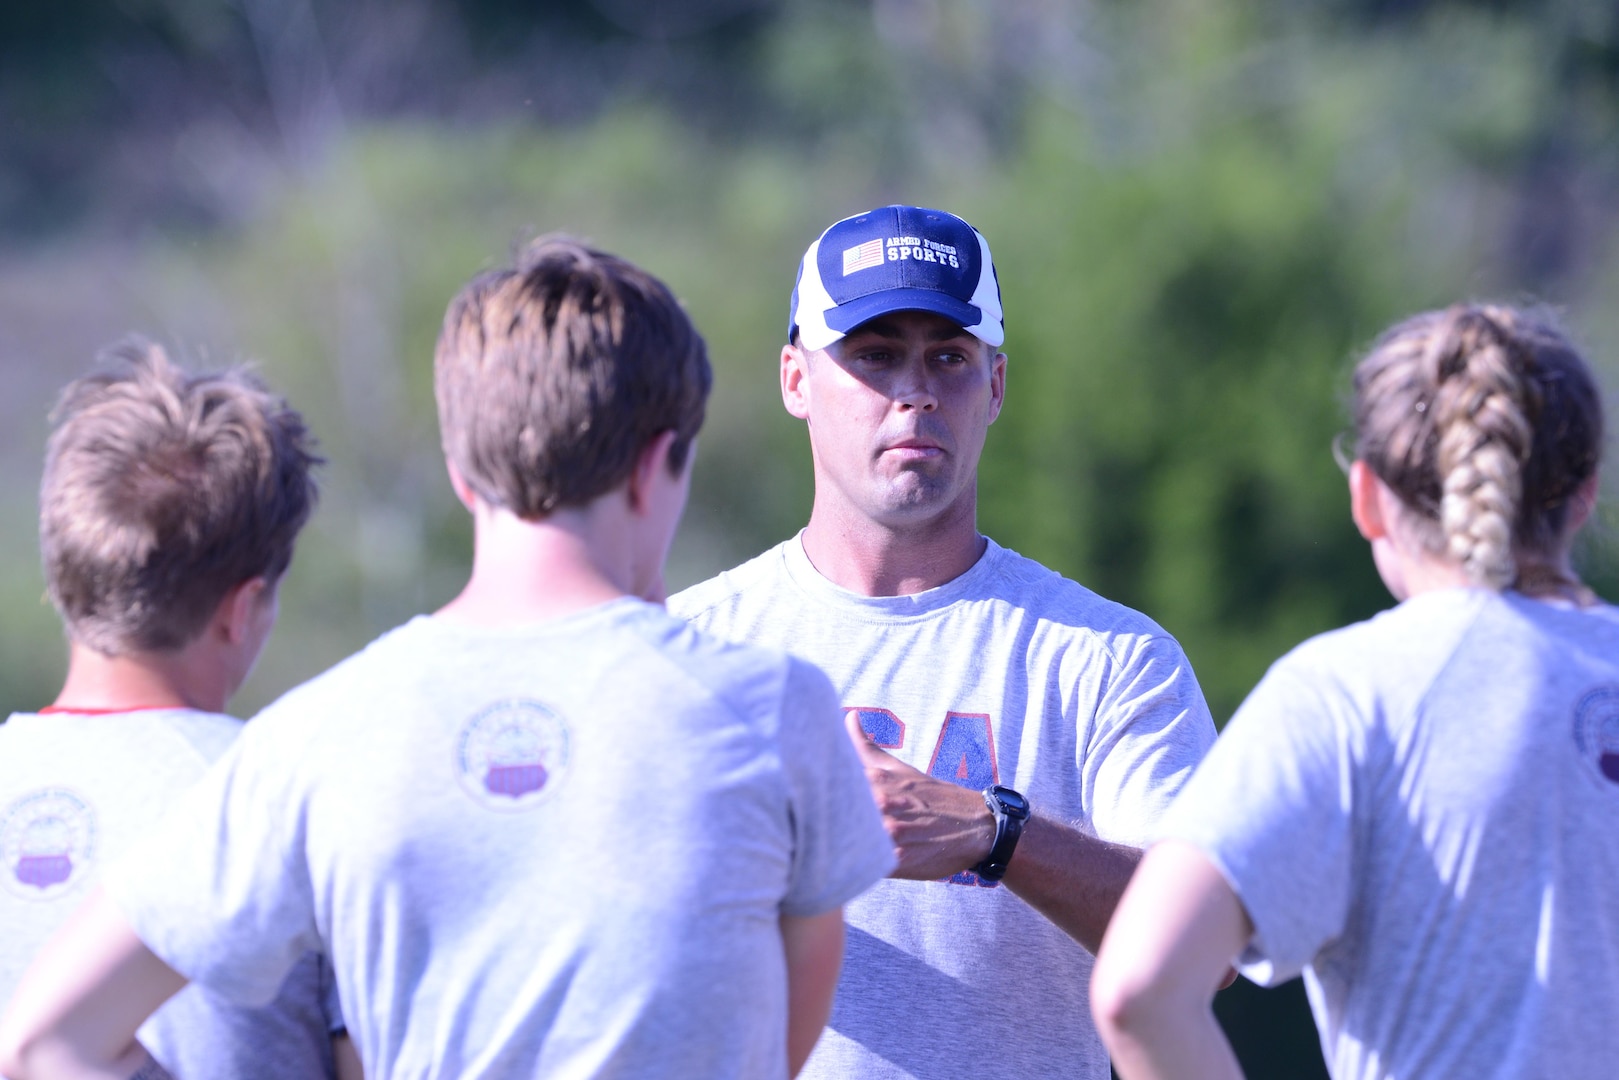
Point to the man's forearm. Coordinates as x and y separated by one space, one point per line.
1070 877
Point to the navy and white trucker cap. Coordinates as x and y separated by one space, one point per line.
895 258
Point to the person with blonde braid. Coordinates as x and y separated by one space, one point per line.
1419 812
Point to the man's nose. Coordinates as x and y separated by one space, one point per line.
913 389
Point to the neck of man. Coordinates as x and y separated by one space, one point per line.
525 572
875 558
182 678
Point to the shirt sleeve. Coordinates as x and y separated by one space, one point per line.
220 890
840 846
1273 807
1150 729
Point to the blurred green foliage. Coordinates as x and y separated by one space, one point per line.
1199 214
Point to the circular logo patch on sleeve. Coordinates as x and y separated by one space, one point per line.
47 844
1596 732
512 755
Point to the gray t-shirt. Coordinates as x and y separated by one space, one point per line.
557 850
1009 674
1421 812
76 790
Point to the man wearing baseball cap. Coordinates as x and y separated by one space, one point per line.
1020 733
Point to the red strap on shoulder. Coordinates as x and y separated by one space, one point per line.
49 709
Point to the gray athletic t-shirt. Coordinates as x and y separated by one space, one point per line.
1009 674
1421 812
560 850
78 789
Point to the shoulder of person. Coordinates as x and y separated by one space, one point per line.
755 681
1395 655
727 587
1064 602
718 662
159 734
371 671
210 734
1605 611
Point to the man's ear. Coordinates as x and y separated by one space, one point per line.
235 614
795 381
1365 502
651 465
997 385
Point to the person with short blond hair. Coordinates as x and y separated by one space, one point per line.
168 511
549 830
1416 812
163 491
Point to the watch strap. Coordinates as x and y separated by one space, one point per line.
1009 819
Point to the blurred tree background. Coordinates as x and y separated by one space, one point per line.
1200 212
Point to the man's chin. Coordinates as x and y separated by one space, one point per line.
913 504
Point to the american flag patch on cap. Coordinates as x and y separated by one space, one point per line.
863 257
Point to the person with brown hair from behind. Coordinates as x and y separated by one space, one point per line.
168 511
549 830
1417 811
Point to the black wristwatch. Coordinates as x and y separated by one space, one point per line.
1011 810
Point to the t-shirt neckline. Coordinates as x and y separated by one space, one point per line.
972 582
569 624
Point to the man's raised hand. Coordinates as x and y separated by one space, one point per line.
938 828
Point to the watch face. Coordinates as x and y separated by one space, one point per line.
1014 803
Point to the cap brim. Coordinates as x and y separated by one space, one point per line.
845 317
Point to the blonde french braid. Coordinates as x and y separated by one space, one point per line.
1480 410
1486 422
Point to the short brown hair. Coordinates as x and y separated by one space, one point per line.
162 491
553 374
1485 421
